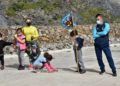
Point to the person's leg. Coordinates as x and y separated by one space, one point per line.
76 60
28 51
36 68
81 60
108 54
21 60
38 48
2 62
46 65
75 53
98 51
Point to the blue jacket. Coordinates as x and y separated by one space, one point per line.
39 61
101 38
105 31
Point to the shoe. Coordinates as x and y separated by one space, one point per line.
2 67
30 67
82 71
34 71
114 74
21 67
101 72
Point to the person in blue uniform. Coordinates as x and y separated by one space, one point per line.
101 42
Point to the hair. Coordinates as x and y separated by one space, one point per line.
0 34
73 33
99 15
19 29
48 56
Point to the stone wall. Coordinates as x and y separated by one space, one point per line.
55 37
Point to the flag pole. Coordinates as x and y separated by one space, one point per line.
76 51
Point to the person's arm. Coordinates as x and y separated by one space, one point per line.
105 31
95 34
36 34
18 39
7 43
46 65
52 67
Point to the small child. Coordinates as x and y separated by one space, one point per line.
2 45
21 47
77 47
44 62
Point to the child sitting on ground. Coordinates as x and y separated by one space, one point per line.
44 62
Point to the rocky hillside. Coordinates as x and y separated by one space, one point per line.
49 40
50 12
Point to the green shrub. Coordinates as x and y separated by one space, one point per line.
10 12
89 14
30 6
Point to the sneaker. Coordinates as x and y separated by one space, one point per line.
21 67
34 71
101 72
2 67
114 74
82 71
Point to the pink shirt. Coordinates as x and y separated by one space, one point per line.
22 46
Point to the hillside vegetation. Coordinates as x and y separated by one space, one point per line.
50 12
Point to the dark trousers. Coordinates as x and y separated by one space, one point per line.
2 60
107 51
29 50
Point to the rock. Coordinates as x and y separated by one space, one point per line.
3 22
56 38
9 50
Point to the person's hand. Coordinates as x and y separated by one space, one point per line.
32 37
76 45
15 36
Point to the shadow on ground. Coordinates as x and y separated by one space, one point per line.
74 70
15 66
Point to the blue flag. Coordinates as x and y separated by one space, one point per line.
67 22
